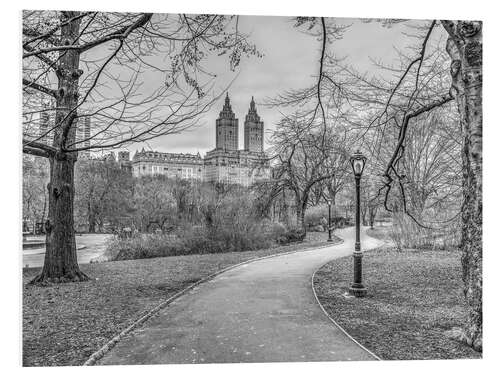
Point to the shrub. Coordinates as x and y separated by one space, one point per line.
293 235
275 230
199 240
341 222
313 215
406 233
226 220
144 246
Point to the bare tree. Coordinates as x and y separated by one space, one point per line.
304 159
103 192
154 202
308 155
137 75
35 177
464 46
394 107
379 111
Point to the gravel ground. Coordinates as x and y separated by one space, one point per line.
414 297
64 324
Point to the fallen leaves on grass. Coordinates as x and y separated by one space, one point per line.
414 298
63 324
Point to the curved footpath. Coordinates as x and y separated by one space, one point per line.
264 311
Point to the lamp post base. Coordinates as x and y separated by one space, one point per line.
357 290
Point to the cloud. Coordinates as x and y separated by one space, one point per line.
290 61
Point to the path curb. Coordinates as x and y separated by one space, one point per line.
96 356
331 319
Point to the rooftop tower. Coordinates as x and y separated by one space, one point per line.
226 136
254 130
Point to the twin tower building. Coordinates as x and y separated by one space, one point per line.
226 163
226 128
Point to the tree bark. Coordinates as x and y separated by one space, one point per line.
465 49
300 219
301 205
60 264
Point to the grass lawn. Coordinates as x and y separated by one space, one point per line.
64 324
413 298
380 233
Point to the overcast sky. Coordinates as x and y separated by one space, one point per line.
290 60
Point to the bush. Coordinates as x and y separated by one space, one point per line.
144 246
407 234
293 235
341 222
225 220
313 215
275 230
199 240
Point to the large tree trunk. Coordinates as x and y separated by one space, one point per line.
60 264
465 49
301 219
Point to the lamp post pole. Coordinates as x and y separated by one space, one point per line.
329 221
357 288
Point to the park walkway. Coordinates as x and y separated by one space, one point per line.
264 311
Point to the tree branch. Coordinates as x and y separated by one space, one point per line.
31 146
41 88
120 34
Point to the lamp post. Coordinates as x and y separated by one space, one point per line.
329 201
357 288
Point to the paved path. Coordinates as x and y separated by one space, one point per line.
263 311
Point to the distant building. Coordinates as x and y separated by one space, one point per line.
171 165
83 133
124 161
226 128
254 130
235 167
111 157
225 163
228 164
39 126
44 133
46 124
